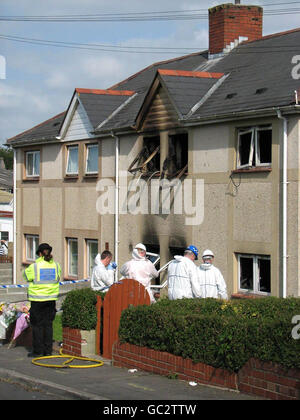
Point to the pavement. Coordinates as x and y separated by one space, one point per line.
106 383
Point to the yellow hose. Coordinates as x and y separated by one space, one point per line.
66 364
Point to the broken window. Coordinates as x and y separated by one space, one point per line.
153 254
176 164
254 273
148 160
254 147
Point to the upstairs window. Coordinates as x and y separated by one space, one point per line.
254 147
176 164
91 159
72 160
33 163
148 160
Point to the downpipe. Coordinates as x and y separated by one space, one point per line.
284 204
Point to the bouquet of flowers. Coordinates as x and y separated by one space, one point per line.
13 312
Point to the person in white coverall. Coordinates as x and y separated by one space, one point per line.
140 268
210 280
182 275
103 272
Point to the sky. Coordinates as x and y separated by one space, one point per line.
40 80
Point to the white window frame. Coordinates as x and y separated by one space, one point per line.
69 240
254 142
257 160
88 242
88 146
34 245
256 282
75 146
34 153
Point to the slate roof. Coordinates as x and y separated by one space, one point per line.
45 131
100 104
6 179
187 88
258 76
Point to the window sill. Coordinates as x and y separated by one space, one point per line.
33 179
69 278
245 295
71 176
258 169
95 175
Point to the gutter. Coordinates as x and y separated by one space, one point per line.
284 204
232 116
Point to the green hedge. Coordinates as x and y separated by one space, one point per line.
79 309
218 333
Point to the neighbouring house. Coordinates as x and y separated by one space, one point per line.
221 126
6 203
6 216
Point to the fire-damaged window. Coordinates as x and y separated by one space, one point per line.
148 160
254 273
153 254
254 147
176 164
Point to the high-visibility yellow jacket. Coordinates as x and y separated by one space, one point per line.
43 278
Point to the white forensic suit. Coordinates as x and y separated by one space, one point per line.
140 269
211 282
102 278
182 278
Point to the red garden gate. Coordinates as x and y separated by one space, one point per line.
121 295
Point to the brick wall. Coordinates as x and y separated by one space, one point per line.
267 380
228 22
163 363
72 341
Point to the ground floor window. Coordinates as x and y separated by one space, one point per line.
31 246
91 253
4 236
254 273
72 265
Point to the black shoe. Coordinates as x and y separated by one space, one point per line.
47 354
32 354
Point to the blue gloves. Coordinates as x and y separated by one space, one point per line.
112 266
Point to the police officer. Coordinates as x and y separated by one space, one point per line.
43 277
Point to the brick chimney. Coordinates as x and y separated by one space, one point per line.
231 23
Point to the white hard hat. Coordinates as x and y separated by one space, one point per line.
140 246
207 253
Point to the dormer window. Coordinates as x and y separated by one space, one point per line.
148 160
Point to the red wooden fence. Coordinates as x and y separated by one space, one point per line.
121 295
6 259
